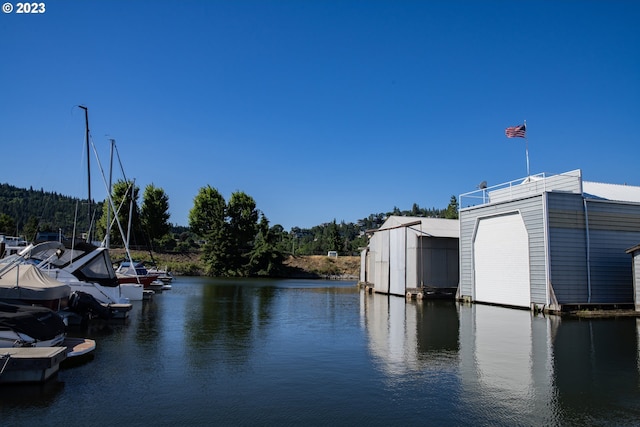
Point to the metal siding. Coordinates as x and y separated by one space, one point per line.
613 227
397 261
636 279
413 267
531 210
569 182
382 263
611 275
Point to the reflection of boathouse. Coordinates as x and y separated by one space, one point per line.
549 241
412 252
497 366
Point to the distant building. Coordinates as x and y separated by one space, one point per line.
549 241
412 252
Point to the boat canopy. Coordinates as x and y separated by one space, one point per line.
39 323
27 282
85 261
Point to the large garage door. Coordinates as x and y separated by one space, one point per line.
501 261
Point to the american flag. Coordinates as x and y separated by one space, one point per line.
515 131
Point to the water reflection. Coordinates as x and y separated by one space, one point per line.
225 318
407 336
506 364
29 395
513 367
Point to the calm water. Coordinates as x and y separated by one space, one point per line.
291 352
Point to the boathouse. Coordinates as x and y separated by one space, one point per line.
552 242
412 253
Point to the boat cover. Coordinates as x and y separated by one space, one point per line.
27 282
85 261
37 322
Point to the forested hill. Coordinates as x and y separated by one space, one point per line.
29 210
24 212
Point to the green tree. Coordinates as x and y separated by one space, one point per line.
7 225
30 229
266 259
334 241
452 210
125 198
242 229
154 213
207 220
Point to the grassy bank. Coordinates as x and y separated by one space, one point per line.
313 266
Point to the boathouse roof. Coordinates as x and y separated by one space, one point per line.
433 227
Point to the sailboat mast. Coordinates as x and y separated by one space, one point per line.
86 126
108 232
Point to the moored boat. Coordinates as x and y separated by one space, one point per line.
87 269
34 344
136 273
22 283
28 326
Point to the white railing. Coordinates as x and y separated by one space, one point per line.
530 185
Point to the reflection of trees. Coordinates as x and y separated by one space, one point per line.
149 319
226 318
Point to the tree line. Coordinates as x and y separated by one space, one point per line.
233 237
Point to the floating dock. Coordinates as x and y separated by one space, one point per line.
30 364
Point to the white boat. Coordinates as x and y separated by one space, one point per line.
164 276
87 269
22 283
10 245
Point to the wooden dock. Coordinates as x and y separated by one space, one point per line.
30 364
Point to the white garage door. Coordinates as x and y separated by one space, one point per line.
501 261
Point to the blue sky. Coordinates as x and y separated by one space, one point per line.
320 110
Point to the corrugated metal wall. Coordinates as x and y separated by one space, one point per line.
381 281
613 227
393 262
397 261
636 278
531 209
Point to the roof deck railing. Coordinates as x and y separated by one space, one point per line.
523 187
481 195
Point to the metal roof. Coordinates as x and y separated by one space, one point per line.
435 227
616 192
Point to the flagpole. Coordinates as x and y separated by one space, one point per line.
526 142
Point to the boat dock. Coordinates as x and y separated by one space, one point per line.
30 364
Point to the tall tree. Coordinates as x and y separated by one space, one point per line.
334 241
207 220
154 213
452 210
266 259
125 198
243 227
